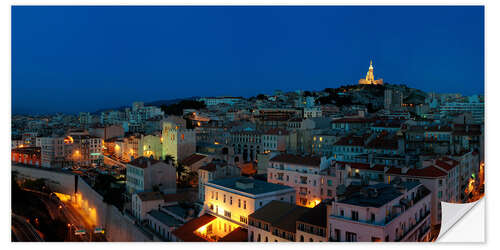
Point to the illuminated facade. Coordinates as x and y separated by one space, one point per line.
177 141
150 146
370 78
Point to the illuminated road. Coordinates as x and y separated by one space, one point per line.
24 231
72 216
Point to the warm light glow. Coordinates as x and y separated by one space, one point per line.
117 147
216 229
63 197
68 140
216 143
21 146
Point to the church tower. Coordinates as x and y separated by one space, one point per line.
370 78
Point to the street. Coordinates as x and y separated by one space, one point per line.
24 231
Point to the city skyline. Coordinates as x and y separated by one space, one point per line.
115 55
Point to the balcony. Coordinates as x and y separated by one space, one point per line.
413 228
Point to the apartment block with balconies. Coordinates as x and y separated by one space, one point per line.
381 212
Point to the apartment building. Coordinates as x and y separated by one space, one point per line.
308 175
381 212
228 203
145 174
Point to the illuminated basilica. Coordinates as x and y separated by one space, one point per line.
370 78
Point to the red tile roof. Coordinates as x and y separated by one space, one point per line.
192 159
237 235
211 167
447 165
363 166
249 168
186 231
429 172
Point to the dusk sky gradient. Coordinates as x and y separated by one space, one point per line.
71 59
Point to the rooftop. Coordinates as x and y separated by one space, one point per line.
192 159
385 193
316 216
280 214
142 162
164 218
427 172
186 231
150 196
256 187
314 161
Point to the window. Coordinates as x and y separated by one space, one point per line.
337 235
224 198
231 200
244 204
350 237
244 219
342 212
227 213
216 196
239 203
354 215
372 217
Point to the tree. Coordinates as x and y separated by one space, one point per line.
181 170
169 159
177 108
261 97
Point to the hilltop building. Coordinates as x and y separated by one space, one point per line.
370 78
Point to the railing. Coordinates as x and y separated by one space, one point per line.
411 229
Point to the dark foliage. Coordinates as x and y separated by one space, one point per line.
177 108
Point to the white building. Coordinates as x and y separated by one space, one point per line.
144 202
145 174
308 175
228 203
475 108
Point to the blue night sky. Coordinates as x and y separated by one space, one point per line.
70 59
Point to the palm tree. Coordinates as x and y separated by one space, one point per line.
169 159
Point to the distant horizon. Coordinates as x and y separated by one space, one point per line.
88 58
188 97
